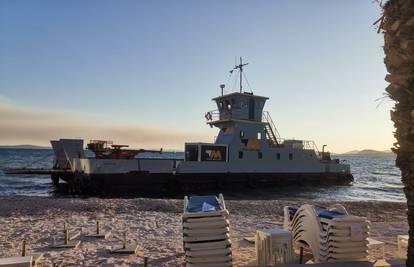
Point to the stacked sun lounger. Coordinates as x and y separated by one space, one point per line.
206 232
331 234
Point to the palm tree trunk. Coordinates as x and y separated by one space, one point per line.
398 28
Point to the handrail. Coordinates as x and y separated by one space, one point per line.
215 115
268 119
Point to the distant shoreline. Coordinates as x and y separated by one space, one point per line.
24 147
367 152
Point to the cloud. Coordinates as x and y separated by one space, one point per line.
19 125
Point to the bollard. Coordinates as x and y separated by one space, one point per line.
24 248
145 261
97 227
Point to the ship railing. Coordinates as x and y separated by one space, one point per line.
212 115
216 115
306 144
311 145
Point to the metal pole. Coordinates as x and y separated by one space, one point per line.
241 70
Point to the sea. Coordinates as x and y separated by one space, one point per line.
375 178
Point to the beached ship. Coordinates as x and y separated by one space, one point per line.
247 151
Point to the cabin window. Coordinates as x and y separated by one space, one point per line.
245 141
213 153
191 152
259 155
290 156
240 154
241 133
227 104
259 135
278 156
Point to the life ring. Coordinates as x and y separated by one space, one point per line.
208 116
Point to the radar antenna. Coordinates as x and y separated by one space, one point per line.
240 68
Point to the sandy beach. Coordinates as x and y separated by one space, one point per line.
155 226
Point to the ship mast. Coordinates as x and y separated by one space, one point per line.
240 68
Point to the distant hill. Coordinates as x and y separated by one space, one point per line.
369 152
25 147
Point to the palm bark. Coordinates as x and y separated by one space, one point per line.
398 28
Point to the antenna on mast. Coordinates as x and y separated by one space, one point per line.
240 68
222 87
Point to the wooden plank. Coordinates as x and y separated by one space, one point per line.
125 250
17 262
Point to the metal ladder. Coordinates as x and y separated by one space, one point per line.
271 131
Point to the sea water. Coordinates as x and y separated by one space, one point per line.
375 178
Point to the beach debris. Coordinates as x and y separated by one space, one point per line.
99 233
23 260
71 234
36 257
250 239
67 243
17 261
125 248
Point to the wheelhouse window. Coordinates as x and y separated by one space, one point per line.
259 155
278 156
191 153
259 135
240 154
290 156
241 134
213 153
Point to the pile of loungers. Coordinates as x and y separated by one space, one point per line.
206 232
331 234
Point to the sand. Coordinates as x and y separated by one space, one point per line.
155 226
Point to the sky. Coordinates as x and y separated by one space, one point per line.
144 72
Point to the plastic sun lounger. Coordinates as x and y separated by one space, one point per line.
209 252
206 238
204 259
208 245
220 264
328 231
202 224
193 206
200 231
206 232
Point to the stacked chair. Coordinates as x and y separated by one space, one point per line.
331 234
206 232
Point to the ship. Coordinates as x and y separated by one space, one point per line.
247 152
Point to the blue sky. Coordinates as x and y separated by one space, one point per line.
155 65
